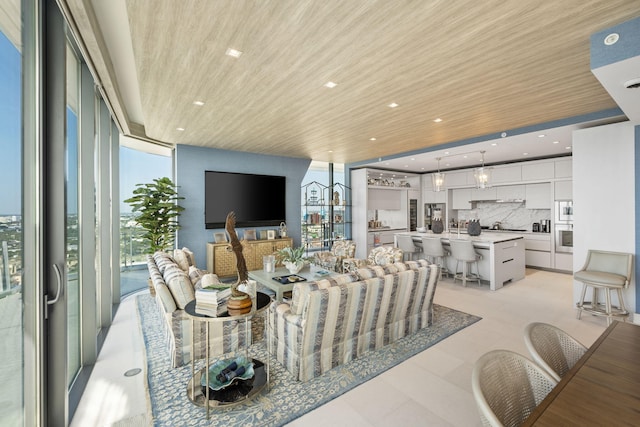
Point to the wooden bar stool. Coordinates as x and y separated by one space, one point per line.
605 271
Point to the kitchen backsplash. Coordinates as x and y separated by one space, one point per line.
510 215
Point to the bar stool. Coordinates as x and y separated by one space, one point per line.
463 251
405 242
606 271
435 253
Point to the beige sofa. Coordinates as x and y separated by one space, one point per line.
335 320
175 279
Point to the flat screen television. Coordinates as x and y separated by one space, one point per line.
257 200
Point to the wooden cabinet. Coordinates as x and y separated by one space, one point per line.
222 261
538 196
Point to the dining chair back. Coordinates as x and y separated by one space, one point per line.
507 387
552 348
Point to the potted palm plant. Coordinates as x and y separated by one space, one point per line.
157 206
292 258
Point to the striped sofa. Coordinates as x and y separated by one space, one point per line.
174 288
332 321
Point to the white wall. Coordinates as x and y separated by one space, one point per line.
604 196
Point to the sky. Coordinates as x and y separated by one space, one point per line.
10 128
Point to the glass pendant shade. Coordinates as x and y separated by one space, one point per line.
438 181
482 175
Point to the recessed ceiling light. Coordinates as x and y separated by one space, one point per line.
393 105
525 154
438 120
448 164
386 163
372 139
494 144
198 103
465 156
233 53
330 85
556 142
446 152
568 148
406 166
413 158
421 168
542 135
180 129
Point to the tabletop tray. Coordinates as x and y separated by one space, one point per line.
290 278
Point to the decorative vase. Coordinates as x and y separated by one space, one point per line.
437 227
294 267
474 228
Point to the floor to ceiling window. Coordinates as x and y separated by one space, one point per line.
11 328
140 162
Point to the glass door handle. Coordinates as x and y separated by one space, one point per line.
58 291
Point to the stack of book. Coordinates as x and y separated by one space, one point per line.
210 301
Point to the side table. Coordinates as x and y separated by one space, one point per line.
227 398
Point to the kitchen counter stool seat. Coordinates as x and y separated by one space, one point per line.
464 252
435 253
405 242
604 271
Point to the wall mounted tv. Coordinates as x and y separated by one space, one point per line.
257 200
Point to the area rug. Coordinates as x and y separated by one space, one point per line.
287 399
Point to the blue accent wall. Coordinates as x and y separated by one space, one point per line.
627 46
191 162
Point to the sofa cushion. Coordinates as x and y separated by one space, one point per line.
302 290
166 298
191 258
195 274
163 260
182 259
179 285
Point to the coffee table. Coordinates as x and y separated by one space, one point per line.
266 279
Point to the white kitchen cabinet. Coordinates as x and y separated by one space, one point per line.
563 190
458 179
538 250
506 174
461 198
538 171
383 199
511 192
538 196
430 196
480 194
564 168
564 262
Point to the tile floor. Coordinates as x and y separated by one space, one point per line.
432 388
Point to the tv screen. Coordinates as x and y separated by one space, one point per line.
257 200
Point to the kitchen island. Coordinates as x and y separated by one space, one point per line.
502 254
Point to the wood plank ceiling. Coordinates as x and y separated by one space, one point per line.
481 66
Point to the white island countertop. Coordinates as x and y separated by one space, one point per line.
484 239
502 254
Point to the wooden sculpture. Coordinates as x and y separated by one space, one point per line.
239 302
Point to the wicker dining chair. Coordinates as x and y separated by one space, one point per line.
507 387
552 348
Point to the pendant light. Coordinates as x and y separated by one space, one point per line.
482 175
438 178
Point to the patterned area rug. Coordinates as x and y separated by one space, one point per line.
287 399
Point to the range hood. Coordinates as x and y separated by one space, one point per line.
615 61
